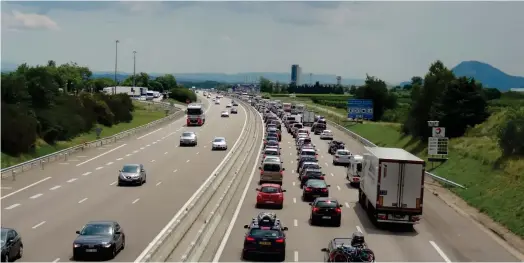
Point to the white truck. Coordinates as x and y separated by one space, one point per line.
308 118
392 185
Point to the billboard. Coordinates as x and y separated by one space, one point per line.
360 109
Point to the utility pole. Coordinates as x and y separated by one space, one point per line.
310 78
134 68
116 64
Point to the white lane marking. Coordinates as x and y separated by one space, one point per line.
338 187
223 243
197 152
294 200
154 142
136 200
332 174
321 156
71 180
292 171
83 200
148 145
157 184
187 161
100 155
347 205
36 196
439 251
113 183
120 159
24 188
295 222
141 148
39 224
174 171
63 163
135 151
205 146
56 260
148 134
12 206
109 163
290 154
87 173
326 164
295 258
359 230
152 161
55 187
98 168
291 161
128 154
293 183
165 153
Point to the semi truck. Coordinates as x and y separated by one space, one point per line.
308 118
391 186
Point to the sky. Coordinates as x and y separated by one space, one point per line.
390 40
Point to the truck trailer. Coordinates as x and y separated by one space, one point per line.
391 186
308 118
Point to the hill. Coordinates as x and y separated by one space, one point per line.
488 75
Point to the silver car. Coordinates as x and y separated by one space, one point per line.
188 138
342 156
132 174
219 143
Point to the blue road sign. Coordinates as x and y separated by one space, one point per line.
360 109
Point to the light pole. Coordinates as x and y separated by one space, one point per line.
116 63
134 67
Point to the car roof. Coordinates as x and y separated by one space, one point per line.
271 149
324 199
315 180
308 150
131 164
272 161
220 138
101 222
272 185
313 170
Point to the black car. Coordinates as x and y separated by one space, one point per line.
352 249
334 146
99 239
272 142
325 209
305 165
12 247
314 188
304 159
270 137
319 128
265 236
308 174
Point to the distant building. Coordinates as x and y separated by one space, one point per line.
296 72
339 80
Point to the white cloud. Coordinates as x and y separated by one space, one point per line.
17 20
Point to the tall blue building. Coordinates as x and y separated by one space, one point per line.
296 71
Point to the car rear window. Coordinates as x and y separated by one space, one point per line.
187 134
316 183
261 233
342 153
327 204
309 153
314 173
271 153
270 167
269 189
298 125
312 166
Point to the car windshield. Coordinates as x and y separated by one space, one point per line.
316 183
271 153
187 134
270 167
314 173
307 159
130 169
327 204
308 153
272 142
312 166
97 230
219 140
194 111
342 153
327 132
269 190
261 233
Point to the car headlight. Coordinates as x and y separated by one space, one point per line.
76 245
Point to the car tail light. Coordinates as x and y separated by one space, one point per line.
250 239
281 172
280 240
324 190
338 210
315 209
415 218
264 156
261 171
321 177
188 121
382 216
336 156
308 189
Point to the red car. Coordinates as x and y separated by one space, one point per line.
270 195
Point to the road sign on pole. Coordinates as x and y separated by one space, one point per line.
438 146
438 132
360 109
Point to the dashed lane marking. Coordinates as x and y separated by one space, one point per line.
347 205
148 145
136 200
165 153
120 159
100 167
36 196
153 161
439 251
38 225
56 260
148 134
141 148
295 256
98 156
135 151
157 184
294 200
174 171
83 200
12 206
338 187
113 183
295 222
86 173
187 161
332 174
63 163
128 154
359 229
72 180
109 163
55 187
24 188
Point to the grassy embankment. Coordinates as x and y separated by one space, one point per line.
143 114
495 185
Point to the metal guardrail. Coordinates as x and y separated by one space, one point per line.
65 153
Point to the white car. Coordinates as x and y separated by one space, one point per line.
225 114
217 102
342 156
219 143
229 105
326 135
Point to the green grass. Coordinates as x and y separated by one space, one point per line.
495 185
143 114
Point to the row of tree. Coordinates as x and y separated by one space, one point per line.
57 103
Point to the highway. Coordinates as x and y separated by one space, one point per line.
47 206
442 236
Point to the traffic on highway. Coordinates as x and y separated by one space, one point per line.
239 178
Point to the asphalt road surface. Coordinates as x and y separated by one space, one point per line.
442 236
47 206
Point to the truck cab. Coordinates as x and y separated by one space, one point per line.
354 169
195 115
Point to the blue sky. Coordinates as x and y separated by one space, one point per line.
392 40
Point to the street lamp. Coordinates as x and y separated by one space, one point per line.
116 63
134 67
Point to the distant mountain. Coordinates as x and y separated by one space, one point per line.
486 74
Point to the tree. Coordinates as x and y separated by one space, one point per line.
376 89
492 93
511 135
266 85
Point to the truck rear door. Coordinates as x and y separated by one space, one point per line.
400 185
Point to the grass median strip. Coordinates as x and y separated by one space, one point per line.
143 114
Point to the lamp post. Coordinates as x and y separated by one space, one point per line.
134 68
116 63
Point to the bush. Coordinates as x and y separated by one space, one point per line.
182 94
18 129
511 135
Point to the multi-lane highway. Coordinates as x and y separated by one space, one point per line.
47 206
443 234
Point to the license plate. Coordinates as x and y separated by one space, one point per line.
316 196
91 250
270 202
265 243
326 217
